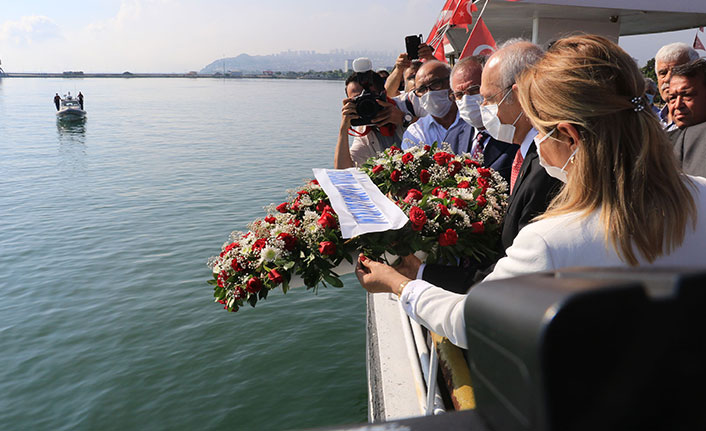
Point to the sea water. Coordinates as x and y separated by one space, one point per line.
106 320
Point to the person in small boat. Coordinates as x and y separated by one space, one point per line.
625 202
80 99
57 101
375 134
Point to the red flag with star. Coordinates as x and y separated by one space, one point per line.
454 13
480 42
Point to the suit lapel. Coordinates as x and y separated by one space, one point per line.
492 152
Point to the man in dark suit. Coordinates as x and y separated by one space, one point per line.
465 85
687 99
531 187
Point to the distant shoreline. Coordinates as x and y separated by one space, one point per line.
285 75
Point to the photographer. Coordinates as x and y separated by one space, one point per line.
373 120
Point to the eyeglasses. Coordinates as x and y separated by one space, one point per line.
470 91
488 101
434 85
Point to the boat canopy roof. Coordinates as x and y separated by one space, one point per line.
508 18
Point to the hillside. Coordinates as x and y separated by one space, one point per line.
296 61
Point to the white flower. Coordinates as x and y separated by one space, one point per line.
269 254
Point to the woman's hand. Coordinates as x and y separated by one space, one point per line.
376 277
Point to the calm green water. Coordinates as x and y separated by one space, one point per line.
106 321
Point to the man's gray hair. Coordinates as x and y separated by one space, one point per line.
674 52
518 56
467 63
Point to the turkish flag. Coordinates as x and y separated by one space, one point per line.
480 42
698 44
454 12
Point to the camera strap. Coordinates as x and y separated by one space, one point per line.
353 132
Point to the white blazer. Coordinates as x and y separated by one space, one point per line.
547 245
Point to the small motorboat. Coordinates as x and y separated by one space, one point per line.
70 109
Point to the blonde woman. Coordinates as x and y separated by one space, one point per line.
625 202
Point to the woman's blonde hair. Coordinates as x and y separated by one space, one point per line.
624 167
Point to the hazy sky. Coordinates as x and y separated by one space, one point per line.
183 35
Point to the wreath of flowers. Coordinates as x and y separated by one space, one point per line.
455 208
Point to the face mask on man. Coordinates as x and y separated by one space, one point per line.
436 102
469 110
553 171
499 131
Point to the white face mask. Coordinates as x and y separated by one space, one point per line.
499 131
416 105
553 171
436 102
469 110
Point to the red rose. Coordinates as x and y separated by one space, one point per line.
484 172
394 149
254 285
282 207
236 266
418 218
314 182
295 205
302 192
270 219
481 200
327 248
424 176
275 277
460 203
407 157
436 190
296 222
321 206
483 183
477 227
377 169
229 247
427 147
442 194
327 220
463 185
289 241
259 244
395 175
450 237
441 158
470 162
413 195
444 211
455 167
222 277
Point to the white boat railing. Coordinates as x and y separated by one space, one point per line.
424 367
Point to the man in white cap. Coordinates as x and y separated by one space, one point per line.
374 121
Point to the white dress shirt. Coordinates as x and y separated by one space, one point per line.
427 130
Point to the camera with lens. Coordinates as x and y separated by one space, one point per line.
367 108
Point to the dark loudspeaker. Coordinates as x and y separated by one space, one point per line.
590 349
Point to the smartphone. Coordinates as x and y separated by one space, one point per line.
412 44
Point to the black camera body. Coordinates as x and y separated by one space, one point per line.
367 108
